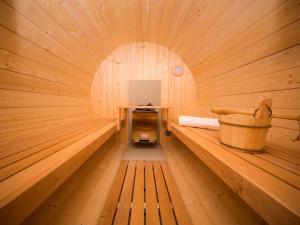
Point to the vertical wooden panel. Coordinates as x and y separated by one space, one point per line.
142 61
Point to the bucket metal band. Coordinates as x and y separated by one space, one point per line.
246 150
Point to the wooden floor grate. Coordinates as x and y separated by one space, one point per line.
144 192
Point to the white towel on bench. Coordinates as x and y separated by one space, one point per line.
200 122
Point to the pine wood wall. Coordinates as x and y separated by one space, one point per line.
141 61
44 74
238 51
257 56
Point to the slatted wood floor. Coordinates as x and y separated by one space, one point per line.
144 192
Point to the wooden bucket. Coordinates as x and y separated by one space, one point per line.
245 132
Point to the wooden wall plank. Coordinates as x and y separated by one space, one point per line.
23 83
19 64
33 12
141 61
21 26
18 45
62 17
11 98
252 15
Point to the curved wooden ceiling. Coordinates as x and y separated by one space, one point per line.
100 26
207 34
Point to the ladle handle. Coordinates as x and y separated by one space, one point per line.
226 111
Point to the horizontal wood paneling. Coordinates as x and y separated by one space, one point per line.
29 31
19 64
39 18
238 50
44 77
262 61
142 61
58 57
12 98
15 81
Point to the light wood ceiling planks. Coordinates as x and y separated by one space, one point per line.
92 29
198 30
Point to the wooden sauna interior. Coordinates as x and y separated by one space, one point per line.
64 72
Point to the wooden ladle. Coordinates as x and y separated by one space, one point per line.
226 111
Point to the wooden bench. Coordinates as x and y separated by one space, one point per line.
268 183
33 165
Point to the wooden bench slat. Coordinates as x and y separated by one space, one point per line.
290 166
181 213
36 137
137 214
26 190
267 156
152 214
253 184
165 207
109 209
279 172
52 138
123 209
19 165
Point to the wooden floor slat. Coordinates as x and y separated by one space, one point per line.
123 209
137 214
144 193
152 212
165 205
178 205
109 209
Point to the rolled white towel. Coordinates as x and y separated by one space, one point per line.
200 122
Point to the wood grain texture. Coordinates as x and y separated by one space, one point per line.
251 179
35 183
206 198
109 210
82 196
259 61
141 61
151 198
146 193
53 52
68 62
137 213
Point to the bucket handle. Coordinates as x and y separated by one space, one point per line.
268 107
